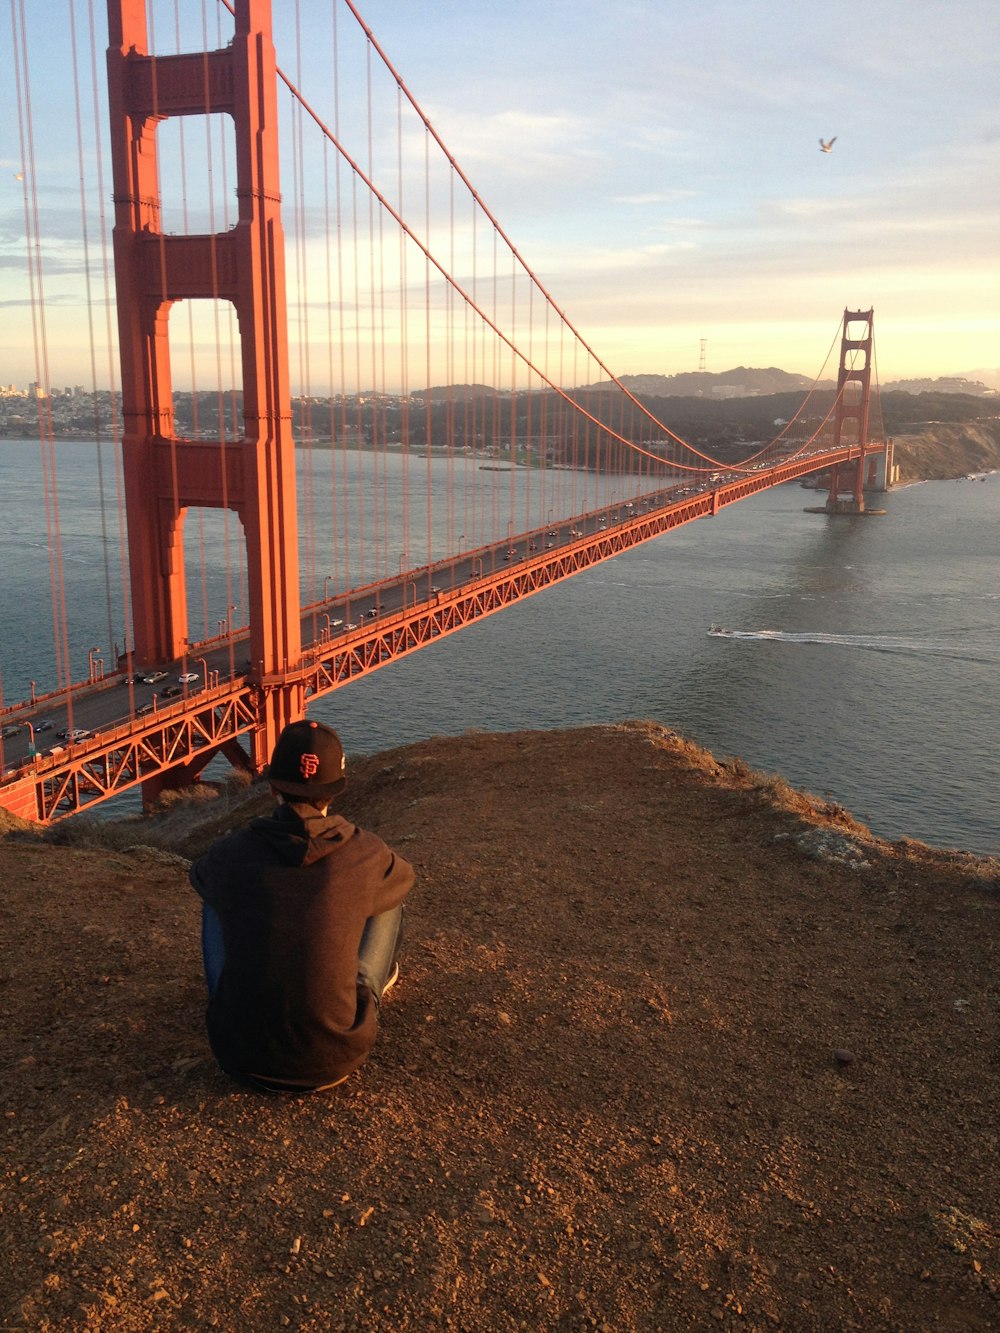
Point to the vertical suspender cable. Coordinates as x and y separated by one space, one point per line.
107 304
192 372
404 387
307 497
105 551
338 433
232 598
36 295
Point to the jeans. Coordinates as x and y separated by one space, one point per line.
380 944
213 949
381 940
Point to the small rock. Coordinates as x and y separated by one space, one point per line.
843 1057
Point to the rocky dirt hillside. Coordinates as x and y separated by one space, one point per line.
941 452
674 1047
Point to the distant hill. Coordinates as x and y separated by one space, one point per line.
750 382
453 392
740 382
986 383
988 376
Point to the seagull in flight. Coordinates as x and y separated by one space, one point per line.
826 145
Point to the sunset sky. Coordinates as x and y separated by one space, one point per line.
658 165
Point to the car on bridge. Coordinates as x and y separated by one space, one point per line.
188 677
76 734
43 724
8 732
154 677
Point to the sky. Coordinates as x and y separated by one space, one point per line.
657 164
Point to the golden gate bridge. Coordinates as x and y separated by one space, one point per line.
382 277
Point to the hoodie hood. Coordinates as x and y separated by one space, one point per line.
301 841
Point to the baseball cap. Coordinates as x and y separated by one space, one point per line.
307 760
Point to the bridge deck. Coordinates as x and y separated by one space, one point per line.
360 632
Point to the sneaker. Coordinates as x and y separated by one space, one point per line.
391 979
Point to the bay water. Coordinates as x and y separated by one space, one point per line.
857 657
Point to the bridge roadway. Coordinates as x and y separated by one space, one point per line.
343 638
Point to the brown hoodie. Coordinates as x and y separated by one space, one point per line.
293 896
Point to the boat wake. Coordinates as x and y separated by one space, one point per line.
874 643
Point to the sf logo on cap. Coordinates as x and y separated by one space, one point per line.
309 765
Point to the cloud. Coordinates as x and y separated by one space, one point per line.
662 197
520 144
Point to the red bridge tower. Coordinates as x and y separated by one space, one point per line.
850 426
166 475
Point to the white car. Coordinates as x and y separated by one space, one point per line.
188 677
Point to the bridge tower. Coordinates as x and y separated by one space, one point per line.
850 426
164 474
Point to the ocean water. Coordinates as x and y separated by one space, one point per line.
860 660
857 657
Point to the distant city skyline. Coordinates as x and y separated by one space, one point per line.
659 168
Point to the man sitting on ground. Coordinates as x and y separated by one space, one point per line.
302 920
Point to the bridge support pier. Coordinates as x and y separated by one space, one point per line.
187 774
881 469
845 505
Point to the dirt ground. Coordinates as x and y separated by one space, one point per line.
674 1047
